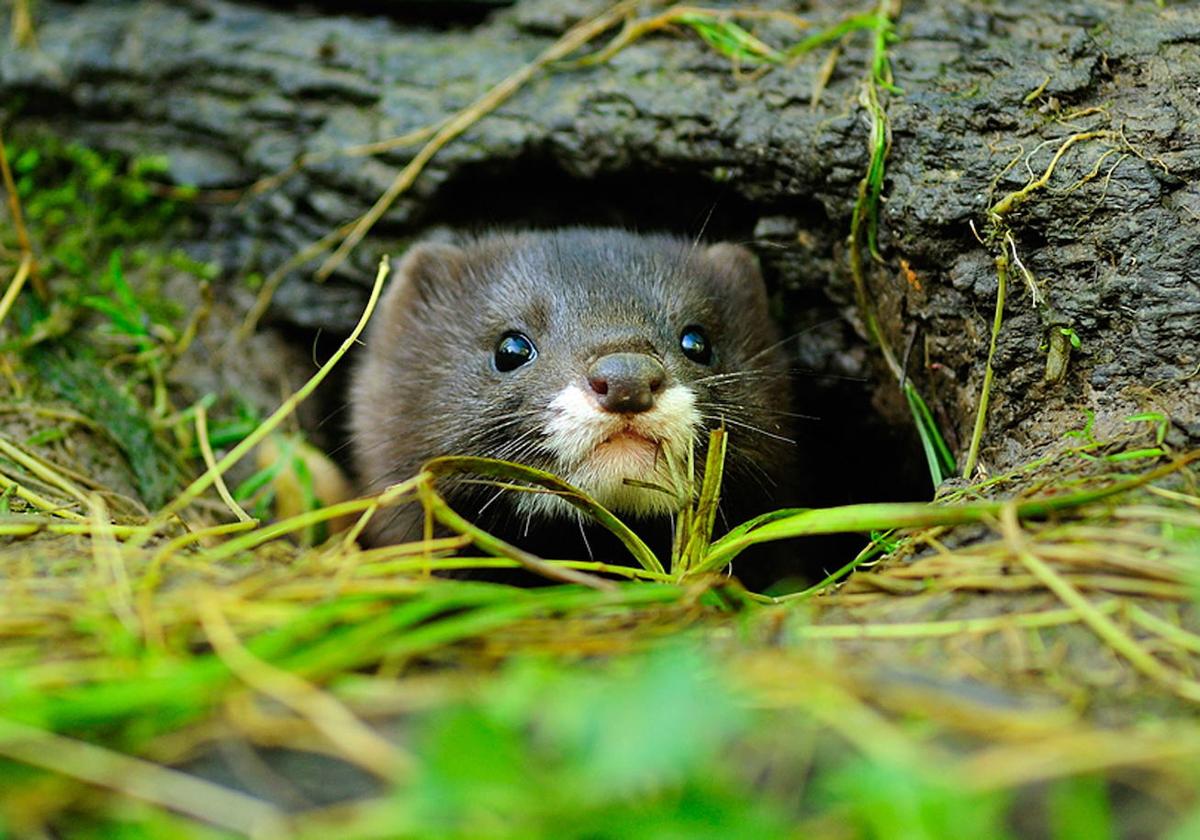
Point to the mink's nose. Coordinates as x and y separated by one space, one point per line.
626 382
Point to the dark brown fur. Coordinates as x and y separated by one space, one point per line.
426 386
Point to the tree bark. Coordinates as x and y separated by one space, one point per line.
669 132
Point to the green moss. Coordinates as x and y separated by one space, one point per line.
81 203
105 335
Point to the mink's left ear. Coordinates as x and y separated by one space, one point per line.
737 268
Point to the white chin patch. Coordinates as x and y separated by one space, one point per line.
597 450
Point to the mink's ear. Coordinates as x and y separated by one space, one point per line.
428 272
737 269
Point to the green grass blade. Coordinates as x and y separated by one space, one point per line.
731 40
506 470
853 23
443 513
757 522
702 518
889 515
937 453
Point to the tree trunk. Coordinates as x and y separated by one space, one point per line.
670 134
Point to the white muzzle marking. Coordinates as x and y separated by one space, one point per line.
650 446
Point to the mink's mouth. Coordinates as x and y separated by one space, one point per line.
602 453
630 448
629 437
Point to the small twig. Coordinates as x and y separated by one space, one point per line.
1017 197
576 37
262 300
15 285
823 75
1036 92
409 138
1031 285
199 315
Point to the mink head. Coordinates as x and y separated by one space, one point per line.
601 356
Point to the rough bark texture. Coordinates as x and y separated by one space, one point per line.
666 129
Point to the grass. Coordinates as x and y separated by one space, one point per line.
864 231
1032 637
163 641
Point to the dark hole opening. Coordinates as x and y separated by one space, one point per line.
533 193
851 451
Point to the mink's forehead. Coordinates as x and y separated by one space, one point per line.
565 277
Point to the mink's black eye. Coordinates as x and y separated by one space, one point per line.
512 351
695 346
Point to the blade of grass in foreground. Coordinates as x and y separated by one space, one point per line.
697 519
868 517
154 694
440 510
507 470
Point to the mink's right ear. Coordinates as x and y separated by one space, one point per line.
428 273
738 272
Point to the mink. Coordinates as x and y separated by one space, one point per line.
600 355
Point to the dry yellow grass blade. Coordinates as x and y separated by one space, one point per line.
210 476
1102 625
350 737
211 463
187 794
575 38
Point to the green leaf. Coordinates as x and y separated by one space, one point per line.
937 454
885 799
1080 809
27 161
